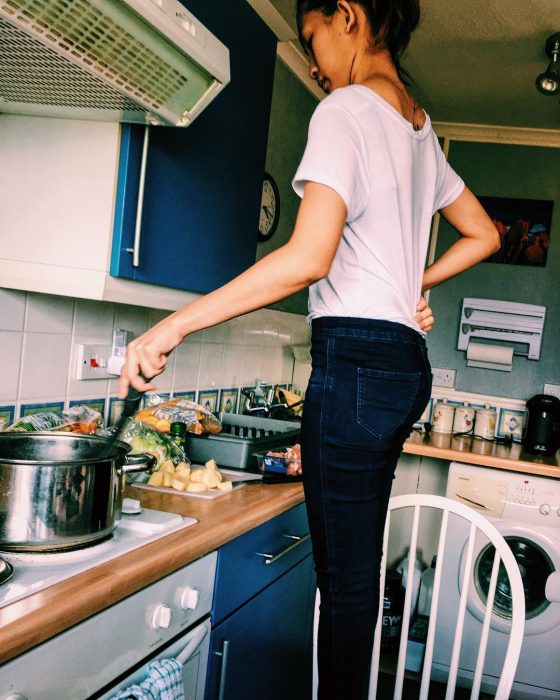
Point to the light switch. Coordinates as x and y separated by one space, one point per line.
91 361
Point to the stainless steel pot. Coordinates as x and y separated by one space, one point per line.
61 491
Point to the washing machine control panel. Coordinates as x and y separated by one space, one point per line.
498 494
533 500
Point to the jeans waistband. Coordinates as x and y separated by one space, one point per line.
366 328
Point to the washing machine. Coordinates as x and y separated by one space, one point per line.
526 510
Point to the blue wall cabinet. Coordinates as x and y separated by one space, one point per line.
203 183
261 644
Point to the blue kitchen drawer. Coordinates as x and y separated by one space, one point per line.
243 571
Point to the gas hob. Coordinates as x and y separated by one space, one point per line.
36 571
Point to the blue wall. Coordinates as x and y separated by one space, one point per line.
502 171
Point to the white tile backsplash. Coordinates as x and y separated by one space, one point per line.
10 349
12 310
210 365
94 321
39 334
132 318
187 365
45 365
49 314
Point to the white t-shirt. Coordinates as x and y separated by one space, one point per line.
392 180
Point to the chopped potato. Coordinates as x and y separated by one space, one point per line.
197 475
167 467
184 478
183 470
194 487
210 478
156 479
179 484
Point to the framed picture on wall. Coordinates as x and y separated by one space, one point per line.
524 228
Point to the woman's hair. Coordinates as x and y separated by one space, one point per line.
391 21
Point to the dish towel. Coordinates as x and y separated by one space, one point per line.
163 682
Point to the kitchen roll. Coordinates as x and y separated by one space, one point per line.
490 356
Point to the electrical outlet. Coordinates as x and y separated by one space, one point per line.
552 389
91 361
443 377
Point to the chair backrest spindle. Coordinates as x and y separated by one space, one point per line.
479 526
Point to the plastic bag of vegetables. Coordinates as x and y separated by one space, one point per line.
160 413
146 440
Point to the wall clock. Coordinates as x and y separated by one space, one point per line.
270 208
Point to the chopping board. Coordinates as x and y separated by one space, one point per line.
238 479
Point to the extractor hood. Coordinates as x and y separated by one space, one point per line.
146 61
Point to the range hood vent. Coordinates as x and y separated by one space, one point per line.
146 61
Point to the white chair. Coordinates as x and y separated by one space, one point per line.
478 523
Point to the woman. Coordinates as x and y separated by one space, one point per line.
371 178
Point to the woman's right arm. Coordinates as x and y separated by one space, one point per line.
479 239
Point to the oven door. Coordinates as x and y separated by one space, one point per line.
191 649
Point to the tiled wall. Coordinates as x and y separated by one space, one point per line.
39 334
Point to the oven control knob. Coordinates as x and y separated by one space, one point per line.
544 509
188 598
160 617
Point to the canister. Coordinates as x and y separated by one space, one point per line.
463 421
485 423
443 417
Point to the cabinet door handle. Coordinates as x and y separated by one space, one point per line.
223 670
135 250
297 541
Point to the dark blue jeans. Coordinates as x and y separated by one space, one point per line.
370 382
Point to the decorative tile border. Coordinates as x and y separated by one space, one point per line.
189 395
229 399
7 415
94 404
116 406
510 423
208 398
29 409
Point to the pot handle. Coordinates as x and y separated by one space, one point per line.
138 463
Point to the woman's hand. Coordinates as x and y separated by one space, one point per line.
424 316
146 356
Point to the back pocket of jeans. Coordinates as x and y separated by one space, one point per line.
385 399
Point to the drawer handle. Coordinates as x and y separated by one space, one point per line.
223 670
297 541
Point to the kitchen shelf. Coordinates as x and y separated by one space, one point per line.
471 450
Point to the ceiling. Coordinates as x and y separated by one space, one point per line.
475 61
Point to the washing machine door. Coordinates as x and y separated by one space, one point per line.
537 553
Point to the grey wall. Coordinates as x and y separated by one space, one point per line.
292 107
502 171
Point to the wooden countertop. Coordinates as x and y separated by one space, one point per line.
33 620
28 622
473 450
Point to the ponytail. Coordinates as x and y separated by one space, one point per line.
391 21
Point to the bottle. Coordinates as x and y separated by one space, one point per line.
178 433
393 605
426 589
402 568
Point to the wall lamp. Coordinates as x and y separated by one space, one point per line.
548 83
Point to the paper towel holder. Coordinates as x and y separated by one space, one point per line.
502 322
